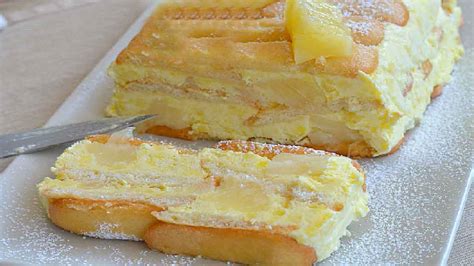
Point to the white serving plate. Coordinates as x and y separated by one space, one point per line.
416 195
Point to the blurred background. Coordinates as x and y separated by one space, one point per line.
48 46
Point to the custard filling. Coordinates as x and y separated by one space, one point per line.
310 197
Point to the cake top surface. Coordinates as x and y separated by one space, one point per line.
258 34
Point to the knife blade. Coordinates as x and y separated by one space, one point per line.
43 138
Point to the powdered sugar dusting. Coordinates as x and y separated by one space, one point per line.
369 9
23 237
361 27
413 192
106 231
268 150
27 235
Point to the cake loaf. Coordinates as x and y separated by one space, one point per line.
344 76
241 201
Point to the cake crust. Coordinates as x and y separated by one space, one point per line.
102 219
133 221
238 245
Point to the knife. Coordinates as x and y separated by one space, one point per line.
43 138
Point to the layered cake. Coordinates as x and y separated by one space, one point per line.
344 76
241 201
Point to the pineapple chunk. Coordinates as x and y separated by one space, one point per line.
316 29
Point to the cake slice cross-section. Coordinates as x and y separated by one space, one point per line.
349 77
240 201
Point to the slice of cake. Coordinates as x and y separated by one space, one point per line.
345 76
241 201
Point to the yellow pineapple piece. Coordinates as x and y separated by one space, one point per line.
316 29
